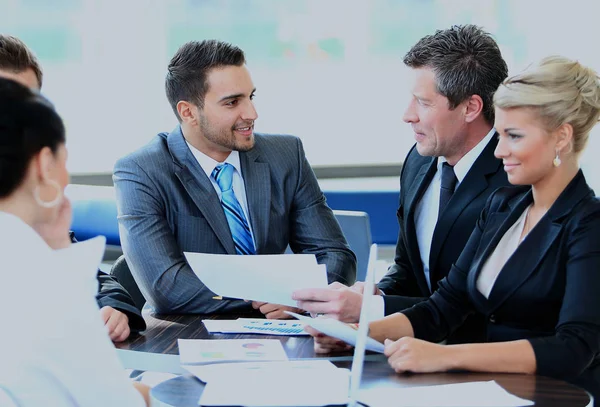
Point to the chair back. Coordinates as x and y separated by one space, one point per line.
120 270
357 230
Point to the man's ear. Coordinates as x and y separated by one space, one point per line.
473 108
187 112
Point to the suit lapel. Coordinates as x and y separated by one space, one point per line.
531 251
418 188
257 180
474 183
199 188
496 226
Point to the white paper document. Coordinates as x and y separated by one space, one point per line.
283 385
255 326
224 371
265 278
337 329
474 394
204 351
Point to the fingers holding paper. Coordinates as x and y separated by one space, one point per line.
274 311
336 301
325 343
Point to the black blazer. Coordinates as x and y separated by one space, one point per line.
405 283
547 292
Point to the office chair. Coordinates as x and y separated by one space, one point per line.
357 229
121 271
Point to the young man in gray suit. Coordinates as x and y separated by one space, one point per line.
446 177
214 186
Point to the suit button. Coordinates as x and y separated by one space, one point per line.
492 319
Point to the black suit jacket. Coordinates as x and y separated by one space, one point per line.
547 292
405 283
113 294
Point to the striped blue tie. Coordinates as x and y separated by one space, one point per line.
240 231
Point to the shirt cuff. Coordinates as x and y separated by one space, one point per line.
376 308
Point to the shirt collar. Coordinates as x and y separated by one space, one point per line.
462 167
17 230
208 164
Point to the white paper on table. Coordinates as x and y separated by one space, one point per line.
337 329
267 278
279 387
225 371
255 326
479 394
204 351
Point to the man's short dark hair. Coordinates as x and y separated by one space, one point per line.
189 67
466 61
15 56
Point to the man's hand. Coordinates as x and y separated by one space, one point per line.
337 301
274 311
116 323
56 232
326 344
359 287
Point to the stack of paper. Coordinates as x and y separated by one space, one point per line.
474 394
265 278
298 383
255 326
204 351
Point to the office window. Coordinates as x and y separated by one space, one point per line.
329 71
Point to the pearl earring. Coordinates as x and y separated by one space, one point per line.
556 162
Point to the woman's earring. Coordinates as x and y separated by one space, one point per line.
48 204
556 162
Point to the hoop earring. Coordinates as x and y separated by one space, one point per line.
556 162
48 204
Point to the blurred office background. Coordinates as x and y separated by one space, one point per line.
329 71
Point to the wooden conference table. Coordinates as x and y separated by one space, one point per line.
163 332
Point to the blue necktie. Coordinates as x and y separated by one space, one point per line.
240 231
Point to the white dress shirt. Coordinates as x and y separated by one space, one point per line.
506 247
55 350
426 211
239 189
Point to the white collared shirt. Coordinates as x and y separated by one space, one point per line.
55 348
239 189
504 250
426 211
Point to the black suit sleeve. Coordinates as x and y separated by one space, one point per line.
400 278
448 307
576 341
112 294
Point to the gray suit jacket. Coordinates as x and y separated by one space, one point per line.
167 205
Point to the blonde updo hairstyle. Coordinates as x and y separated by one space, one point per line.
561 91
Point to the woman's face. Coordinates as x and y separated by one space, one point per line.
525 146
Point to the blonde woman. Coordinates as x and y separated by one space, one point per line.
55 349
532 264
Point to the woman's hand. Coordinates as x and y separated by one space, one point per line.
56 233
415 355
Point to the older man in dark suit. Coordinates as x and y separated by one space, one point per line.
214 186
446 177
